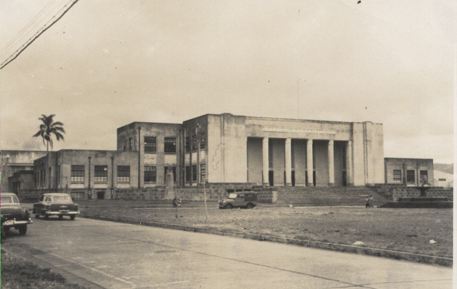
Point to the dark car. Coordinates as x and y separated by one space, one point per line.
56 204
13 214
246 200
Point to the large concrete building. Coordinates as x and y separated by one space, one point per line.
220 149
266 151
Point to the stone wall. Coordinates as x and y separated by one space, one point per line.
432 192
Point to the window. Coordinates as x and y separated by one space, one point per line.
170 145
78 195
194 173
423 177
150 144
202 141
203 172
187 174
58 175
101 174
130 143
410 176
150 174
194 143
441 180
173 169
187 144
77 174
123 174
397 175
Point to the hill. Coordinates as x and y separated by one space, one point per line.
446 168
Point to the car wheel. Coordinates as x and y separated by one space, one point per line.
249 206
60 217
229 206
6 229
23 229
37 216
72 217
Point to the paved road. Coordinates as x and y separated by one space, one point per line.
114 255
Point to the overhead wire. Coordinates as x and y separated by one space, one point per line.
37 34
20 33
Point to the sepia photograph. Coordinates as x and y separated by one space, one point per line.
227 144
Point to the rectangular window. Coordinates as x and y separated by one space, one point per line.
173 170
187 174
410 176
101 174
58 175
194 173
203 172
397 175
130 144
187 144
150 144
77 174
150 174
78 195
170 145
441 180
123 174
423 177
194 143
203 141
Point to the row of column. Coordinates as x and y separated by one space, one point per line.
309 163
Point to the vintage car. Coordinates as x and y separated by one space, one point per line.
56 204
245 199
13 214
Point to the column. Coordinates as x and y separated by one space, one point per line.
265 161
349 176
288 151
331 163
309 163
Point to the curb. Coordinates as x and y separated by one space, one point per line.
426 259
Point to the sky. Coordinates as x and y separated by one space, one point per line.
108 63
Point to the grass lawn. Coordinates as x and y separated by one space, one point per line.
405 230
18 274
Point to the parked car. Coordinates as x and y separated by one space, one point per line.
56 204
240 199
13 214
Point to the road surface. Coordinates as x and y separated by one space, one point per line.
100 254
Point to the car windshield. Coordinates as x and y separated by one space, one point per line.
61 199
232 196
9 200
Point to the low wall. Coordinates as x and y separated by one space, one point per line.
431 192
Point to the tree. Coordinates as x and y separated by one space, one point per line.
49 128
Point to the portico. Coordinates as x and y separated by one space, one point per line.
298 162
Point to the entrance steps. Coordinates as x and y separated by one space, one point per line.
327 196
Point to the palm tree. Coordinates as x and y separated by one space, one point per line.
49 128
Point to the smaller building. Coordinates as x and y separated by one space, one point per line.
443 179
14 161
86 174
409 172
21 181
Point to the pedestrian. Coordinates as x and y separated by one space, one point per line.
367 202
370 201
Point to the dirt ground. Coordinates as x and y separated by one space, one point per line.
417 231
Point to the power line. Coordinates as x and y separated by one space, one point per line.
9 44
31 40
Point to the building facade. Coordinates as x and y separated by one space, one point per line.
86 173
13 161
409 172
265 151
